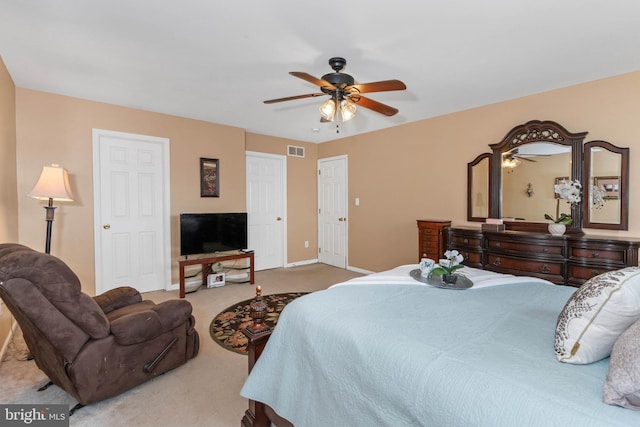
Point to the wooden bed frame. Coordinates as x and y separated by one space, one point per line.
604 256
259 414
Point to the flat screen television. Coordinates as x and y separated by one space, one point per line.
203 233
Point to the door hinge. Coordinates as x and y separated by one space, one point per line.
319 210
319 172
319 250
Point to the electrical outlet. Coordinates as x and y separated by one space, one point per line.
306 243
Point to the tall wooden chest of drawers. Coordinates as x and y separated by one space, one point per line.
431 241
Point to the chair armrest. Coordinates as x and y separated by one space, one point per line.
117 298
136 328
173 313
146 325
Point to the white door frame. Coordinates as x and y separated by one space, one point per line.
97 206
283 161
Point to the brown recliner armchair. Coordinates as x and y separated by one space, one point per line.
93 348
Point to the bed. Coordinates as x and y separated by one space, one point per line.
386 349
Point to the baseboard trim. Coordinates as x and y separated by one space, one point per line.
299 263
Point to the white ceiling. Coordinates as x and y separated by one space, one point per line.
217 60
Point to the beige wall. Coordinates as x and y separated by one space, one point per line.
58 129
409 172
419 170
8 194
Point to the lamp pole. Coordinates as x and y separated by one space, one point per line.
49 218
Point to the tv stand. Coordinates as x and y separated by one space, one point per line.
206 266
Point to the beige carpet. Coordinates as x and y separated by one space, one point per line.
203 392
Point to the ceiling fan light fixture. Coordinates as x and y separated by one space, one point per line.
510 162
328 110
347 110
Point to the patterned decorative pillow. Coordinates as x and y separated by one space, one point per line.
622 386
596 314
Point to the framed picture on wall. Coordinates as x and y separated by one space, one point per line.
209 177
559 180
611 185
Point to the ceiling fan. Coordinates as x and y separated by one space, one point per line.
344 92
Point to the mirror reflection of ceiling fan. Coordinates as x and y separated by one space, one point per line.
512 158
345 94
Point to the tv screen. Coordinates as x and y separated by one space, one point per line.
203 233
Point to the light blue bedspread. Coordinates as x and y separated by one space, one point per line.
404 355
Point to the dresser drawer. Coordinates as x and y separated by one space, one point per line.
471 258
429 235
465 241
430 250
549 270
615 255
525 247
582 273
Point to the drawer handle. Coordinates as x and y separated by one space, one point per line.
497 244
465 241
497 261
545 250
594 273
545 269
595 254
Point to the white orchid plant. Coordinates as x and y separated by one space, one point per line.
597 196
450 264
571 191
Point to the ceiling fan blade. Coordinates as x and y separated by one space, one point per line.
291 98
309 78
525 158
385 85
376 106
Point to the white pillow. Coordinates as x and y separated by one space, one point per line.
596 314
622 386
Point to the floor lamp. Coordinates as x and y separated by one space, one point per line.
53 184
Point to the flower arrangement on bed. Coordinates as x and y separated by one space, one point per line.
386 349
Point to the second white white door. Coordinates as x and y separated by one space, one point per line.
332 211
266 209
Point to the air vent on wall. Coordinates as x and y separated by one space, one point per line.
292 150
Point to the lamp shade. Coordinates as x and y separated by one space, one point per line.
52 184
328 110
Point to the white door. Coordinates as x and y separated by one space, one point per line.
131 211
332 211
266 209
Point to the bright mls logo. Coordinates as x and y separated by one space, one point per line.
34 415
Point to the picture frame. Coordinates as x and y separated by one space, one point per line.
611 185
558 180
209 177
215 280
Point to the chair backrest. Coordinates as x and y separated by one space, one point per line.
45 297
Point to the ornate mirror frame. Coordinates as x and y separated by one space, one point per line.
530 132
470 192
623 190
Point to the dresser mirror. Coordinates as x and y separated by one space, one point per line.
606 192
478 194
526 164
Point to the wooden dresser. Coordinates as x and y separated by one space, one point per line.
566 260
431 240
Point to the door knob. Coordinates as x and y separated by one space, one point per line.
279 219
106 226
